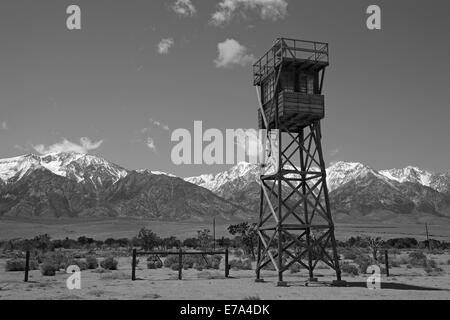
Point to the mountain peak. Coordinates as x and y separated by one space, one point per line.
73 165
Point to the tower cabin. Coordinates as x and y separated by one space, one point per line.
290 76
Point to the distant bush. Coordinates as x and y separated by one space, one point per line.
48 269
91 262
295 268
170 260
417 259
205 262
175 267
402 243
350 253
431 268
15 265
109 263
239 264
77 262
349 269
151 265
197 267
59 259
363 263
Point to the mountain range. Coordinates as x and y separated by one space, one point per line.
79 185
74 185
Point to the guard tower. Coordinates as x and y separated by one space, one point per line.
295 223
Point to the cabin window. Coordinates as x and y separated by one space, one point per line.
267 90
288 82
306 84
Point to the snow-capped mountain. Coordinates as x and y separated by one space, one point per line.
75 166
244 172
409 174
79 185
354 189
437 181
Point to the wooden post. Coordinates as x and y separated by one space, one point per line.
133 266
227 271
180 264
386 261
27 265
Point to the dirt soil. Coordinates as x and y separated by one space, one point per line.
404 283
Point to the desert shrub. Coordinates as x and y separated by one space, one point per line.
175 267
432 263
158 264
151 265
195 261
75 262
363 263
269 266
91 262
394 263
197 267
109 263
15 265
48 269
350 253
170 260
295 268
238 253
350 269
59 259
431 268
239 264
417 259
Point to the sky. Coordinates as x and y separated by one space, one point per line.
137 70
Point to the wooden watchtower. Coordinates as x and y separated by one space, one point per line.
295 223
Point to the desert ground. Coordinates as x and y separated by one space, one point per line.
101 229
403 283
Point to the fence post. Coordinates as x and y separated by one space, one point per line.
386 260
133 266
27 265
180 264
227 271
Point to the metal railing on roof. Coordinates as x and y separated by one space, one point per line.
285 48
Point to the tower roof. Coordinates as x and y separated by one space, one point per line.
308 54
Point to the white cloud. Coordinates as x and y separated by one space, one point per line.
151 144
268 10
164 45
65 145
184 8
19 147
4 125
232 53
334 152
159 124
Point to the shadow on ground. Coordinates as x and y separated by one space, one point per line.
395 286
